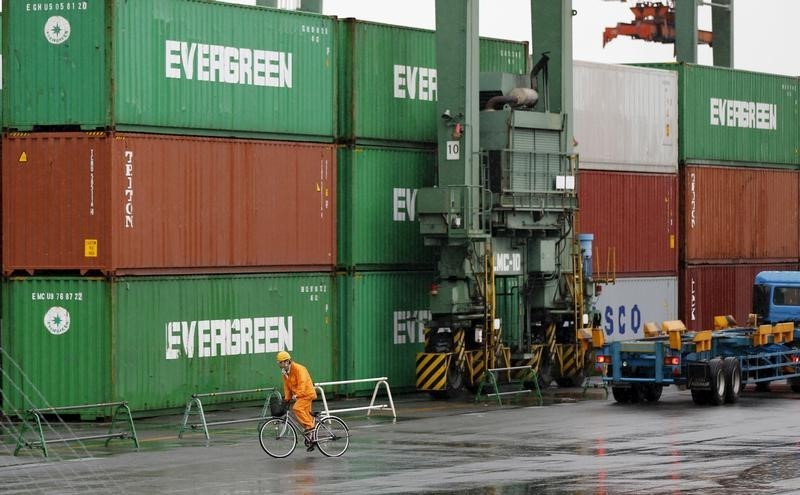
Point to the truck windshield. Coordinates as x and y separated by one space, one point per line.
786 296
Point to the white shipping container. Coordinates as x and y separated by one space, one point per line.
628 304
626 118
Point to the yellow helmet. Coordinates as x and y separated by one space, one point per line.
282 356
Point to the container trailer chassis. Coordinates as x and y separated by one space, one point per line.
713 365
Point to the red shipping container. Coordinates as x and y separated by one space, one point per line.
139 203
635 214
735 214
706 291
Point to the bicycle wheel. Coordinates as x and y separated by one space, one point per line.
333 436
277 437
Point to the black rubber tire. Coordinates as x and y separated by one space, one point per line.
332 436
653 391
544 375
637 393
733 379
716 378
277 438
794 383
454 387
575 380
700 397
621 394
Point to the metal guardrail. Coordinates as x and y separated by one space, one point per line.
195 401
489 376
372 406
35 415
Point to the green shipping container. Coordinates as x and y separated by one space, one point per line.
736 117
153 341
378 227
380 317
57 342
388 80
190 66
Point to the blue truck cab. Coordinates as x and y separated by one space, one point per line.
776 297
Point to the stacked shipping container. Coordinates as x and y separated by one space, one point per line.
181 155
189 199
739 183
387 131
626 126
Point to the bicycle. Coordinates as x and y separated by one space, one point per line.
278 435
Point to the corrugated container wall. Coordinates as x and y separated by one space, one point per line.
83 340
627 304
626 118
377 221
707 291
734 213
736 117
57 342
381 316
388 85
634 219
142 203
201 67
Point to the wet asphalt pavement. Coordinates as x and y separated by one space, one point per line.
571 445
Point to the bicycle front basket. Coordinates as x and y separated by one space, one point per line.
277 407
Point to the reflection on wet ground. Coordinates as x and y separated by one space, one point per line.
583 446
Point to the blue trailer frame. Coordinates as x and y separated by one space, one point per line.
714 368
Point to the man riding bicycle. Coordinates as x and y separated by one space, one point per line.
297 385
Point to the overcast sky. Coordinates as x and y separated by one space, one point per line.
766 32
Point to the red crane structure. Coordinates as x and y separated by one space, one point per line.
653 21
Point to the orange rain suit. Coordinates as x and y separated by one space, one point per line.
299 384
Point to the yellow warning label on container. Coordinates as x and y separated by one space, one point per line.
90 248
23 158
672 241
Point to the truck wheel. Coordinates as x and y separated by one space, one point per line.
700 397
733 379
652 392
794 383
716 378
637 392
621 394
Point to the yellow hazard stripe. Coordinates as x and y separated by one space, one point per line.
432 370
477 364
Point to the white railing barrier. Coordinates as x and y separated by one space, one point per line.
379 381
195 402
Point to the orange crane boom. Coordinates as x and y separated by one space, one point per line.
653 21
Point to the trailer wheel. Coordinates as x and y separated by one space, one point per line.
637 392
652 392
700 397
795 384
621 394
716 378
733 379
